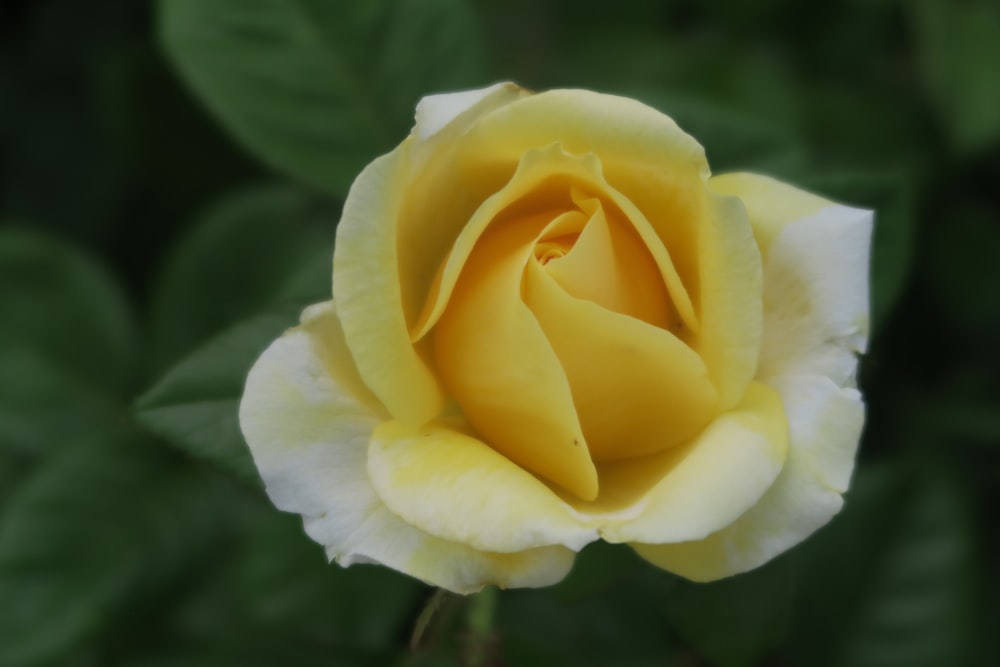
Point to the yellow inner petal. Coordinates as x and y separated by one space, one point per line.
713 249
499 366
637 388
551 179
564 332
700 486
608 264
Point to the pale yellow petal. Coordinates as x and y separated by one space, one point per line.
450 484
770 203
824 428
638 389
698 488
617 129
500 368
816 279
444 187
728 298
307 419
379 290
366 286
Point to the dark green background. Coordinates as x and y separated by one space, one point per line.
170 179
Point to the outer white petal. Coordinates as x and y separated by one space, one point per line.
308 418
816 296
824 427
435 112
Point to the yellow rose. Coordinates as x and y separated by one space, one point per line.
551 326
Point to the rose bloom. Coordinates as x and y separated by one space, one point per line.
549 326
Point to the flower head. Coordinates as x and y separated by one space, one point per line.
551 325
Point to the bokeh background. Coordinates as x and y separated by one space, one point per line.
170 180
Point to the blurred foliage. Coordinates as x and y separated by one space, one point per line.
170 178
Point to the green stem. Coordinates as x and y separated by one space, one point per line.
481 644
425 617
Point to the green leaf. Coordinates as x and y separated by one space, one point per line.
256 249
598 567
570 624
273 599
736 621
107 522
285 584
318 88
962 258
195 405
733 139
888 583
958 411
959 45
58 302
43 407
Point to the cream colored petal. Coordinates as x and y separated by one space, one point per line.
701 486
816 279
452 485
825 424
816 296
357 527
637 388
435 112
500 368
307 419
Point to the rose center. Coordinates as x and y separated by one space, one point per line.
546 251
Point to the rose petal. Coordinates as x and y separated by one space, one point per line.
824 427
534 168
378 292
367 290
728 298
610 266
700 487
500 368
435 112
452 485
713 252
771 204
307 418
618 129
637 388
629 138
567 176
815 278
816 296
